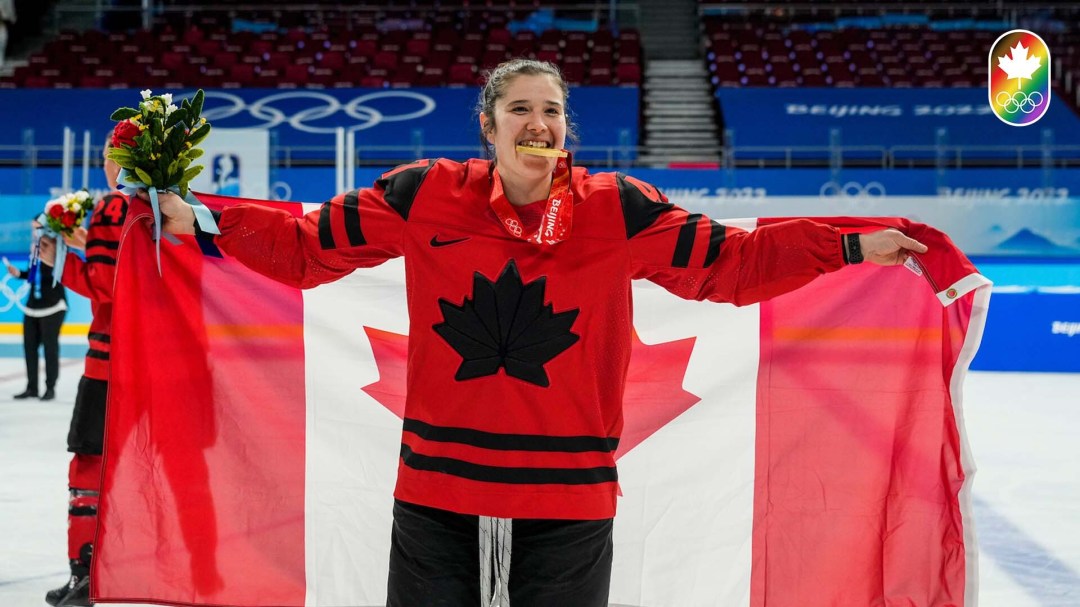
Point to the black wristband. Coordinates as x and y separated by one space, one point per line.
852 249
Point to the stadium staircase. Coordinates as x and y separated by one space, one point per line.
680 118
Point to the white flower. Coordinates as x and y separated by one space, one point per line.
166 98
172 108
146 94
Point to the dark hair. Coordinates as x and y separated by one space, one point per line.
498 79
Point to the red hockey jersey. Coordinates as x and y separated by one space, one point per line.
93 278
518 352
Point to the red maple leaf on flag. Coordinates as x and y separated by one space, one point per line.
654 394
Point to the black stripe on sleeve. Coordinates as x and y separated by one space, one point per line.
717 234
352 219
98 354
511 442
105 259
102 337
684 246
326 234
508 475
108 244
400 185
640 209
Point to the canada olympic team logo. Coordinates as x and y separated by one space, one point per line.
1018 83
314 111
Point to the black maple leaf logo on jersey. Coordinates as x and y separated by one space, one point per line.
506 324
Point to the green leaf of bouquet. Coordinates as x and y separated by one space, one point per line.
173 118
193 153
197 104
200 133
144 176
191 173
163 165
120 156
123 114
174 142
157 182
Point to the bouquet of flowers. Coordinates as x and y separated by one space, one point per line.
64 214
60 218
154 145
156 142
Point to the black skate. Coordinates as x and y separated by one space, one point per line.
75 593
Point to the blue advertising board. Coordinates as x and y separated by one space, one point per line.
1031 329
885 117
1019 212
306 118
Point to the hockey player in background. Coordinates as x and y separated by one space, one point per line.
93 279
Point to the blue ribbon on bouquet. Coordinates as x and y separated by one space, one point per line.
130 184
35 252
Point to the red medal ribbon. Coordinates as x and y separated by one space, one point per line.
558 212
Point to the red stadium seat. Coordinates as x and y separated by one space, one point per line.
173 60
225 60
386 60
298 74
432 76
600 76
331 59
242 73
418 46
549 56
574 73
628 74
499 36
462 74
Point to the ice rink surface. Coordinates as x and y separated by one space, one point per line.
1024 430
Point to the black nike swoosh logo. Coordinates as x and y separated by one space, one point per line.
435 242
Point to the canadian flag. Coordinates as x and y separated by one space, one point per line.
806 451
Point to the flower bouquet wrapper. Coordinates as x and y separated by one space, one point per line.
155 145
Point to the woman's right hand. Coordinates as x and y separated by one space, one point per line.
77 239
177 216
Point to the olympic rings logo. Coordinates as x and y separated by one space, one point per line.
14 296
514 227
1018 101
323 106
852 189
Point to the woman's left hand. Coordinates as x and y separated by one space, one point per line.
888 247
47 251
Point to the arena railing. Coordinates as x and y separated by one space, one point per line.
1048 156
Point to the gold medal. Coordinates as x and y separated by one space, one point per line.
547 152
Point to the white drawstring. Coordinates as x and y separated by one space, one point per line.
495 539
